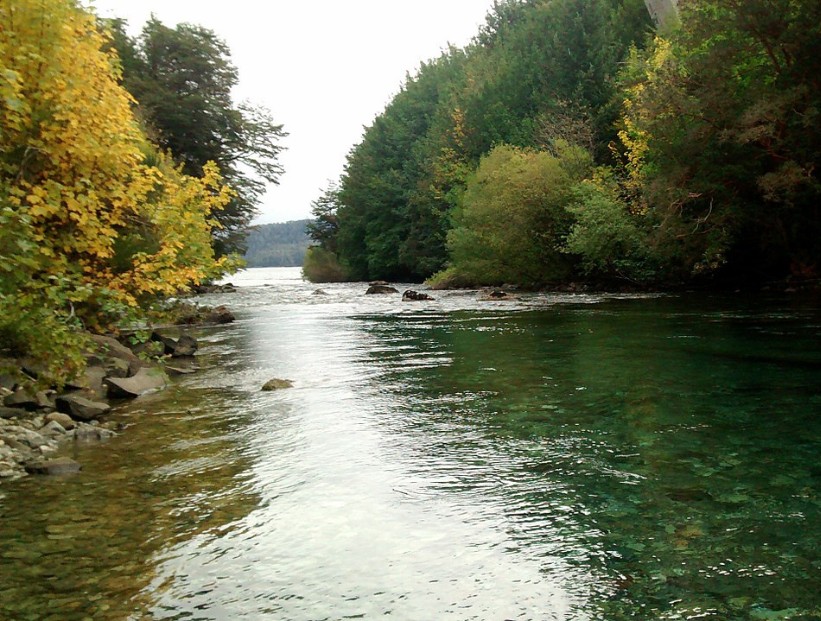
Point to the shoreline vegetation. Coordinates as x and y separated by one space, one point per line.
576 142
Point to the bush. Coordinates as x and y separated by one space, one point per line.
322 266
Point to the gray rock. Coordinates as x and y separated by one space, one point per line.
111 348
21 398
220 315
277 384
53 429
380 289
54 467
146 380
6 412
185 346
64 420
80 408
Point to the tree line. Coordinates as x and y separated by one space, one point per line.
572 140
122 173
281 244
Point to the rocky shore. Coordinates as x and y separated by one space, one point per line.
38 424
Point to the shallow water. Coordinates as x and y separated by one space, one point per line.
547 458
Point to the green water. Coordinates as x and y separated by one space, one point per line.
549 458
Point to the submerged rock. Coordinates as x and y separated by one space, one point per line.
277 384
54 467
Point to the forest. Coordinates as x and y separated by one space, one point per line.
281 244
127 174
574 141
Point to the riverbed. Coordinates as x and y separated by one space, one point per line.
544 457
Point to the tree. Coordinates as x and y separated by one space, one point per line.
324 227
512 220
183 78
720 127
77 179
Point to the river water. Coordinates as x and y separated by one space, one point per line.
552 457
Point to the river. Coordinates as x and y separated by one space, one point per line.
550 457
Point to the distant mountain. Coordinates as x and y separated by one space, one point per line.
277 245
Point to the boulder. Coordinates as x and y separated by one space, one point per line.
380 289
220 315
415 296
6 412
80 408
54 467
277 384
185 346
111 348
53 429
64 420
319 292
146 380
22 398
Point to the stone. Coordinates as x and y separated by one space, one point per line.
220 315
277 384
185 346
21 398
6 412
54 467
146 380
112 348
166 341
64 420
80 408
88 434
415 296
53 429
380 290
319 292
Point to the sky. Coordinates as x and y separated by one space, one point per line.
324 68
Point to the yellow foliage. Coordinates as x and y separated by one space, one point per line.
72 162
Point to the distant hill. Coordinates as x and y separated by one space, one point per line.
277 245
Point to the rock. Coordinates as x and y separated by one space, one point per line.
146 380
53 429
44 401
319 292
166 341
54 467
220 315
203 289
180 370
64 420
22 398
112 348
415 296
186 346
80 408
378 283
380 289
89 434
277 384
6 412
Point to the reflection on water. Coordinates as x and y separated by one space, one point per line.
551 457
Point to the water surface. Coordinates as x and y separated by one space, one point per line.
548 458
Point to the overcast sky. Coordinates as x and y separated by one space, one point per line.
325 68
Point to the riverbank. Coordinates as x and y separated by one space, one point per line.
38 423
